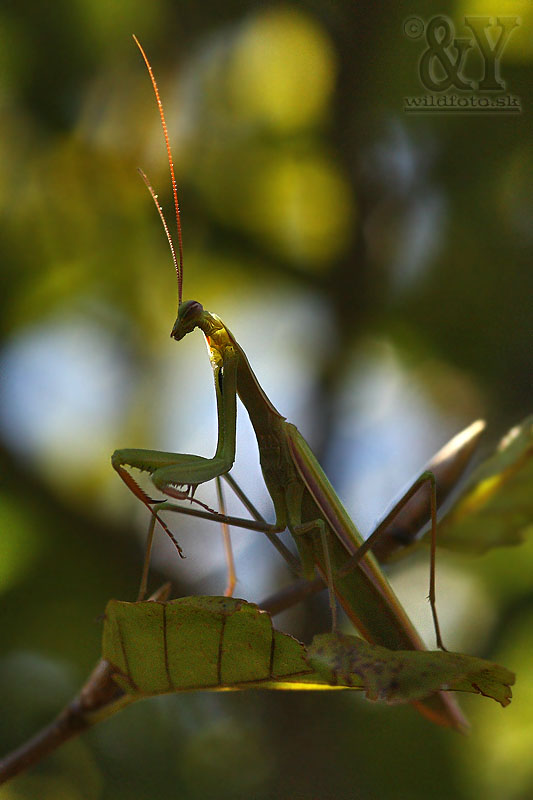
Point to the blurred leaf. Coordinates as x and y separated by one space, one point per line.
447 466
519 47
20 544
404 676
221 643
496 506
274 53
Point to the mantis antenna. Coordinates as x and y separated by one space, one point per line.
178 263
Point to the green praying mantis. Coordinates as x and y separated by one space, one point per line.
304 500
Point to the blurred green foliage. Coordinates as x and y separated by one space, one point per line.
375 266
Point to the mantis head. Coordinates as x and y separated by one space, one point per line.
190 315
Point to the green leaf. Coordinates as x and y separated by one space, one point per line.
223 643
405 676
495 507
198 643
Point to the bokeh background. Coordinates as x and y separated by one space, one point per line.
375 266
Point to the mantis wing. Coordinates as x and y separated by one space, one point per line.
365 593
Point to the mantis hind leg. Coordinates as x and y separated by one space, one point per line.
382 529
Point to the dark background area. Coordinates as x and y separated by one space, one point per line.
375 266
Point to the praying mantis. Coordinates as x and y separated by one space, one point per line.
304 500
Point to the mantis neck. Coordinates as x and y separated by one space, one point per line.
263 415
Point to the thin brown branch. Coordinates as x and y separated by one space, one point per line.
100 697
290 595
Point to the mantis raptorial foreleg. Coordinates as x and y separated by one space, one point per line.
144 498
225 521
178 475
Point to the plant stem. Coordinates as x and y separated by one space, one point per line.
100 697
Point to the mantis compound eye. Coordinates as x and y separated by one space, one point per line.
190 309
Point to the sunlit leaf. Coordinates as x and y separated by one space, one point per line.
223 643
404 676
198 643
496 505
